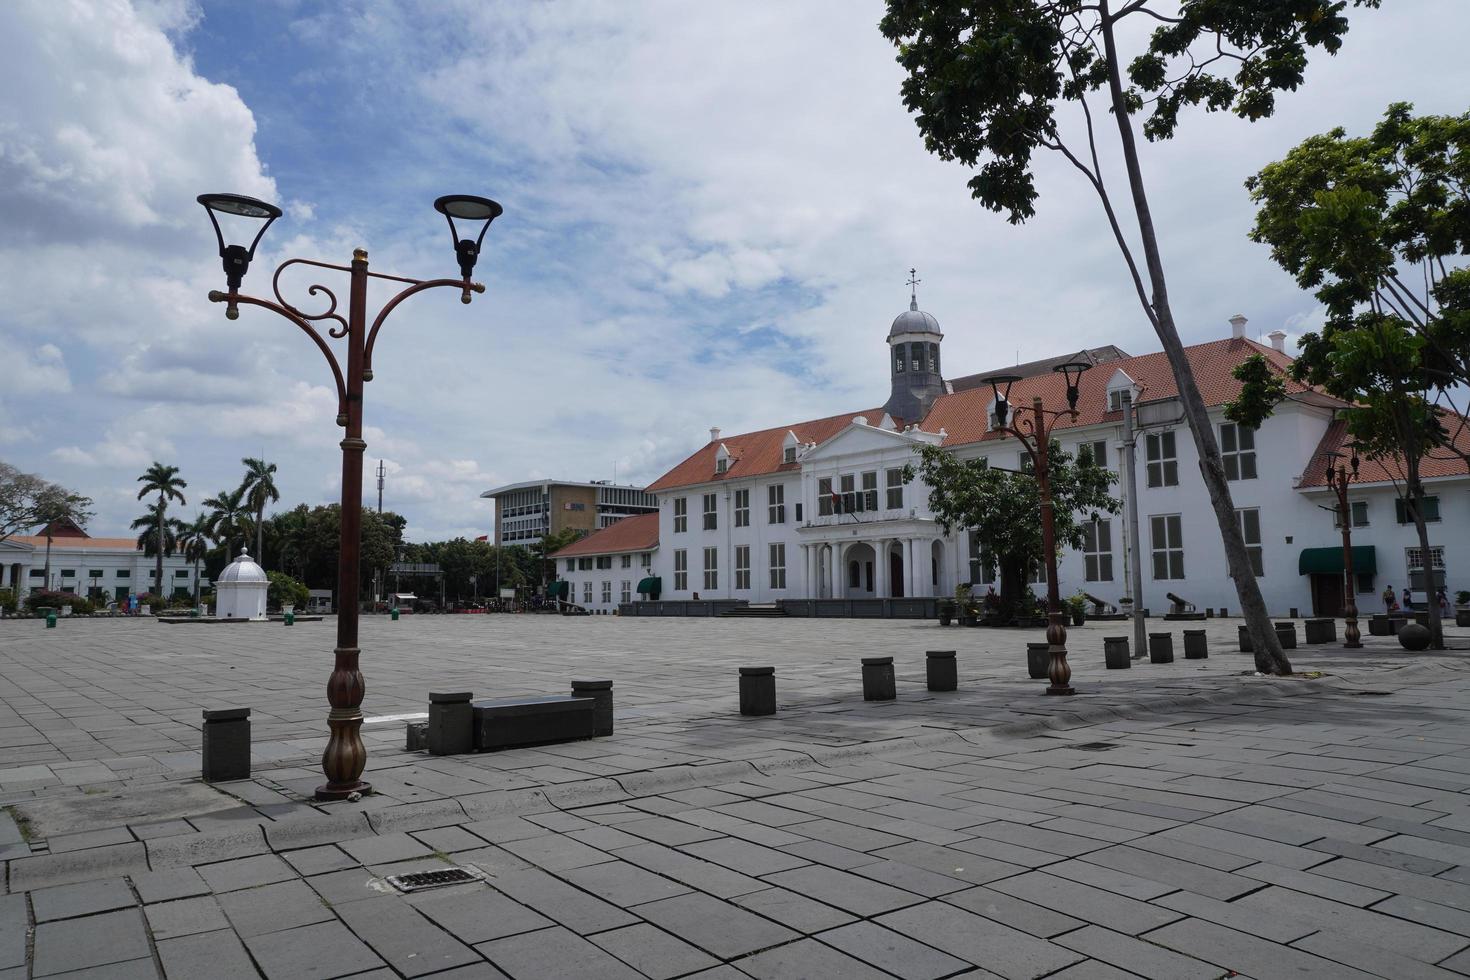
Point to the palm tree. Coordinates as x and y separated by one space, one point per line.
228 518
148 527
166 482
194 541
260 489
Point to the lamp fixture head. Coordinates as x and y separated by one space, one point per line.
1072 372
236 257
467 208
1002 397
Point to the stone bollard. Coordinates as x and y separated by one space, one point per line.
757 690
602 704
1294 613
1321 630
1246 646
1038 661
1161 648
878 682
1115 653
451 723
1196 647
226 744
416 736
942 670
1286 633
1378 626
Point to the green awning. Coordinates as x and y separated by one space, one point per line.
1328 561
650 585
559 588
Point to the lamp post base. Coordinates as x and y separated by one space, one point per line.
331 792
1352 636
1061 671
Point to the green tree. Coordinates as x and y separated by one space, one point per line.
194 541
550 545
149 527
259 486
166 482
1374 226
229 519
285 591
1002 509
27 502
985 80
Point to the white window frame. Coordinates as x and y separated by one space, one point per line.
742 507
681 515
606 593
626 592
711 569
776 503
742 568
895 488
681 570
1244 518
1238 458
1163 469
1097 550
1414 565
778 564
1170 549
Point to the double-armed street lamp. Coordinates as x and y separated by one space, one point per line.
1034 434
345 755
1339 475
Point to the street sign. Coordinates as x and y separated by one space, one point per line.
414 568
507 593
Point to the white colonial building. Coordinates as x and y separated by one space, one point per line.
607 567
819 509
107 568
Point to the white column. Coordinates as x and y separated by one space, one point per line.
880 574
839 570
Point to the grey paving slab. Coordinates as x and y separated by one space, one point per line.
893 952
410 943
554 954
578 911
477 913
139 969
185 917
14 923
1137 956
1085 902
163 886
1247 954
386 848
795 911
272 908
248 872
1002 950
96 940
1369 957
703 876
844 890
314 952
624 884
1402 936
743 856
1014 912
653 952
1157 867
809 959
950 862
82 898
717 927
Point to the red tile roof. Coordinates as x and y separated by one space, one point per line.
963 414
1441 463
755 453
637 533
71 542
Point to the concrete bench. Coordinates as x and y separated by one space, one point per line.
504 723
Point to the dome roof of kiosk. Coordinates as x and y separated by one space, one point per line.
242 569
914 320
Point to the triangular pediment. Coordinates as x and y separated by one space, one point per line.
860 437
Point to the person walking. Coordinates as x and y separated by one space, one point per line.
1389 602
1408 599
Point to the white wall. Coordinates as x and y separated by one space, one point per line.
594 577
82 560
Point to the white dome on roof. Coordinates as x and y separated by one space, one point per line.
243 569
914 320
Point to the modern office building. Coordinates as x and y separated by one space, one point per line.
527 512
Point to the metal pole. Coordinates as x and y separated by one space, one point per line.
1135 559
345 756
1352 637
1056 630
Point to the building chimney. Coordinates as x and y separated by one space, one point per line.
1237 326
714 433
1278 340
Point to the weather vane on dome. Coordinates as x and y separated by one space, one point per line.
913 284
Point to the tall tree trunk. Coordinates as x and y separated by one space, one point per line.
1268 653
48 564
158 551
260 534
196 582
1426 564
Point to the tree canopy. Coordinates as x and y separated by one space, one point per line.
1003 509
27 502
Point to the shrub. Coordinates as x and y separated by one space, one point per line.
55 600
152 600
7 601
285 591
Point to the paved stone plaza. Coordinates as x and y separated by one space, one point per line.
1170 821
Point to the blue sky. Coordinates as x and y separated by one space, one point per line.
710 214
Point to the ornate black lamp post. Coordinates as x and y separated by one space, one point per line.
1036 439
345 755
1338 478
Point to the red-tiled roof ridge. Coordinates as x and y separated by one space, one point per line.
756 453
963 414
74 543
636 533
1391 470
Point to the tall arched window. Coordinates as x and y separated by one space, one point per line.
898 360
917 357
934 358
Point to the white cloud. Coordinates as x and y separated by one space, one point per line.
41 371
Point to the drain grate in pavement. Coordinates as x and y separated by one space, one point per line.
1094 746
432 879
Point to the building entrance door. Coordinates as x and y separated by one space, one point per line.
895 574
1327 598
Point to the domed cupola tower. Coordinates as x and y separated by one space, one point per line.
913 360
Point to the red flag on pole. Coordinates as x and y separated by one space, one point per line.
483 537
